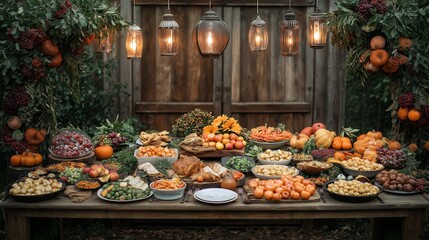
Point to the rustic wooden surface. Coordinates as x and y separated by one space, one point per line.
255 88
409 208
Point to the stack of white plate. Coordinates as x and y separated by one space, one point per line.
215 195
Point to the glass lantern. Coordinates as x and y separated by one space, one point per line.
317 30
258 35
134 42
168 35
289 38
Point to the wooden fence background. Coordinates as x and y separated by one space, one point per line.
255 88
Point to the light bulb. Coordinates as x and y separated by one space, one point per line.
316 32
210 39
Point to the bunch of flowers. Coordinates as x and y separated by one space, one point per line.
223 124
192 122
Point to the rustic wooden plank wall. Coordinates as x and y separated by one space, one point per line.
256 88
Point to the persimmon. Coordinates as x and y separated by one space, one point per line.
279 190
346 145
413 115
377 42
336 145
412 147
305 195
294 195
268 195
378 57
277 197
403 113
270 187
310 188
252 183
258 193
405 43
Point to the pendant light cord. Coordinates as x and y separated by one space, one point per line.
316 7
290 5
257 7
168 5
210 4
134 11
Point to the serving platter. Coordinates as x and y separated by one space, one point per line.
122 201
251 199
394 191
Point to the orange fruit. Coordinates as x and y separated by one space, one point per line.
38 158
336 145
258 193
413 115
345 139
403 113
394 145
295 195
339 156
277 197
268 195
15 160
285 195
200 178
426 145
29 161
311 189
412 147
379 57
56 60
103 152
377 42
405 43
346 145
305 195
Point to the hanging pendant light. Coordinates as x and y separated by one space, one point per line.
317 29
210 35
258 33
168 34
134 41
289 38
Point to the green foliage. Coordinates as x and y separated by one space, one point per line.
192 122
352 29
125 160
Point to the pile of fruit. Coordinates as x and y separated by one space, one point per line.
274 170
396 181
37 186
359 164
154 151
224 141
269 134
288 187
70 143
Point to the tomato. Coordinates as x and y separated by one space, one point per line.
277 196
268 195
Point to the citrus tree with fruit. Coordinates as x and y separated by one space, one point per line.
41 46
386 42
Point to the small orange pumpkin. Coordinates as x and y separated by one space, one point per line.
103 152
412 147
379 57
15 160
394 145
414 115
375 134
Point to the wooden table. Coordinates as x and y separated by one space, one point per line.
410 209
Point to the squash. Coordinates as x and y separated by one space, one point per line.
103 152
323 138
26 159
370 155
375 134
297 141
394 145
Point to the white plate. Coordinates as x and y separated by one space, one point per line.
121 201
211 202
215 195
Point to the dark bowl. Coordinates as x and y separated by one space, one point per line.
345 198
249 159
33 198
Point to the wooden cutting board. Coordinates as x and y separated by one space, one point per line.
249 198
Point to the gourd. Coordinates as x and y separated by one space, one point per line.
297 141
26 159
394 145
323 138
103 151
370 155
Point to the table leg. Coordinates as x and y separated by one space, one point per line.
413 225
17 225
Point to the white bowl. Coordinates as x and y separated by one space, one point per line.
274 162
269 145
152 160
167 194
265 177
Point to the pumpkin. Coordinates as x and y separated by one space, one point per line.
394 145
426 146
49 48
15 160
377 42
370 155
375 134
297 141
103 152
34 136
26 159
323 138
378 57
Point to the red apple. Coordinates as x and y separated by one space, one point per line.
233 142
229 146
317 126
307 131
239 145
94 173
113 176
218 138
233 136
86 170
64 179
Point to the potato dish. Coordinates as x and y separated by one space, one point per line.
38 186
359 164
275 155
274 170
353 188
316 164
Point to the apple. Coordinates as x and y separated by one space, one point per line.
233 136
113 176
105 172
64 179
307 131
94 173
218 138
229 146
219 146
233 141
239 145
317 126
212 144
86 169
240 139
225 141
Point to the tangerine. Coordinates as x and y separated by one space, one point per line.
413 115
403 113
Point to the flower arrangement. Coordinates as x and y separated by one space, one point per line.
43 44
192 122
223 124
386 43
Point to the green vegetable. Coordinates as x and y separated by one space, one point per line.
162 165
239 163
